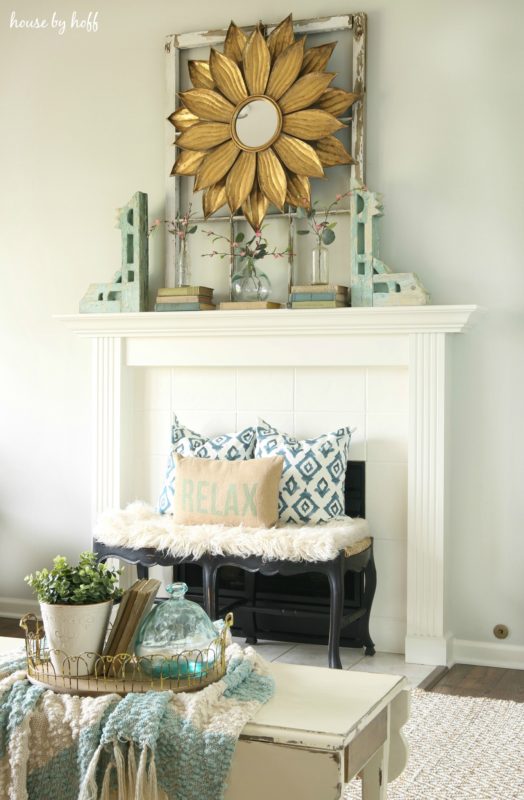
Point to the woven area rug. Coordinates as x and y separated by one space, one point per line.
461 748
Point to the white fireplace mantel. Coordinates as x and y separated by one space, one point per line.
413 337
291 322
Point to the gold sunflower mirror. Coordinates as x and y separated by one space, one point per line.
260 121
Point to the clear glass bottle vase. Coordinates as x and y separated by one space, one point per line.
319 264
182 264
249 283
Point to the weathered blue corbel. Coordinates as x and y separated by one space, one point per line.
129 289
373 283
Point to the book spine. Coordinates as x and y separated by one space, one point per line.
318 304
183 307
183 299
320 288
181 291
299 296
256 304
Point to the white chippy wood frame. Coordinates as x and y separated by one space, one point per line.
355 23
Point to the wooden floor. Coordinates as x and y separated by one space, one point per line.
10 627
463 680
468 681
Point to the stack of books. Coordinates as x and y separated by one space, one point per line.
135 604
185 298
319 295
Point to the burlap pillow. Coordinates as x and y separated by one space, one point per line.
227 492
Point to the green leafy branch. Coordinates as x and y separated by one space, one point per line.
255 248
323 229
180 227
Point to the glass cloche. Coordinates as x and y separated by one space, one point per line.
177 637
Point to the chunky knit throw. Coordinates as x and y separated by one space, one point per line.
139 747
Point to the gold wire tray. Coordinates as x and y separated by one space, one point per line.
123 673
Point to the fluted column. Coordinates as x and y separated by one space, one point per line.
426 640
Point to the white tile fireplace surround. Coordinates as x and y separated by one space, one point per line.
380 370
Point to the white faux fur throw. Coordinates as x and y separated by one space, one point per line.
140 526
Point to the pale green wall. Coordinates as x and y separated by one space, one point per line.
82 126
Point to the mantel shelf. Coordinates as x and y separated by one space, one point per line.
399 320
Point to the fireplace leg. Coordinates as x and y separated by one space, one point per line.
336 588
370 585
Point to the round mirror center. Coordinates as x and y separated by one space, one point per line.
257 123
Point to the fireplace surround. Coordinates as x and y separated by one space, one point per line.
413 339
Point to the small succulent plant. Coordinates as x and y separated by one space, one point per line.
87 582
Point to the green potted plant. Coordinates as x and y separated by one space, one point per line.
75 603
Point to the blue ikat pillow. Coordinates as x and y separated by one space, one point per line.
313 477
230 446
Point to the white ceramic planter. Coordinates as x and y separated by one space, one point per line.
75 631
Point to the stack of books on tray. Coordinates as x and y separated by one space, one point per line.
185 298
136 603
319 295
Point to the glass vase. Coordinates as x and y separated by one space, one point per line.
177 637
319 264
182 265
250 283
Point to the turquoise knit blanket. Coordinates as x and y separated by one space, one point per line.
154 746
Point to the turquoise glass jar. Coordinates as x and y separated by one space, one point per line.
177 638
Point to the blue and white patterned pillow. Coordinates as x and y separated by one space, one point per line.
230 446
312 483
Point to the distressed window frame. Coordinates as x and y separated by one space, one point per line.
355 23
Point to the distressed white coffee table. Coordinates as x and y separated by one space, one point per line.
321 729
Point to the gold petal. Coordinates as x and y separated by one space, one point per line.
332 152
281 37
298 190
305 91
214 198
255 207
256 63
188 162
182 118
216 164
336 101
208 105
316 58
298 156
285 69
240 179
311 124
227 77
204 136
234 43
271 177
200 75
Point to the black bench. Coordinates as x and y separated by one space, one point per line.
334 614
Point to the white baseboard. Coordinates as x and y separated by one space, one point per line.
430 650
15 608
487 654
